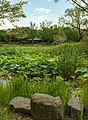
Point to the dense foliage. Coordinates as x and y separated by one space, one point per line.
59 70
39 62
51 35
11 11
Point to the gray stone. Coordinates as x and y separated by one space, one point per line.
75 107
20 104
60 108
76 103
46 107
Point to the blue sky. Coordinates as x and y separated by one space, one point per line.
41 10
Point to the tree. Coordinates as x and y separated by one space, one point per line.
20 34
82 4
10 11
4 36
76 19
33 31
72 34
46 32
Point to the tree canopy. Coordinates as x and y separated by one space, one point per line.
11 11
75 18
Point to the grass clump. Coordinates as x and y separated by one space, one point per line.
19 87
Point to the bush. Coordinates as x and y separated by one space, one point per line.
71 34
85 37
59 39
4 36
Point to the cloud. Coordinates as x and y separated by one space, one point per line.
49 0
7 24
29 2
36 18
54 23
40 18
42 10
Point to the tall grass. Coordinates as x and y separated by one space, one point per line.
5 114
84 93
84 96
20 87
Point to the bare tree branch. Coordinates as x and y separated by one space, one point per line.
82 7
79 5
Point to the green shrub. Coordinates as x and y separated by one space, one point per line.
4 36
59 39
84 94
71 34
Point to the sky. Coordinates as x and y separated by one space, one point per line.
40 10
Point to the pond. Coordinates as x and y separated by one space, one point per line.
3 81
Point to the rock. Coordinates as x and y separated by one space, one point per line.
75 106
46 107
60 108
76 103
21 105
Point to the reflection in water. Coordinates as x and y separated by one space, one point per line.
3 81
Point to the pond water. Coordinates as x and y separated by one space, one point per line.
3 81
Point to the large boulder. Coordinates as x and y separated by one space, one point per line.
46 107
20 104
75 107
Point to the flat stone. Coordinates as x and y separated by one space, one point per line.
21 105
75 107
76 103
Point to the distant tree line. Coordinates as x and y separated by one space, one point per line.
46 35
72 27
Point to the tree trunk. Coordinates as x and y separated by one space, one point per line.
80 33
